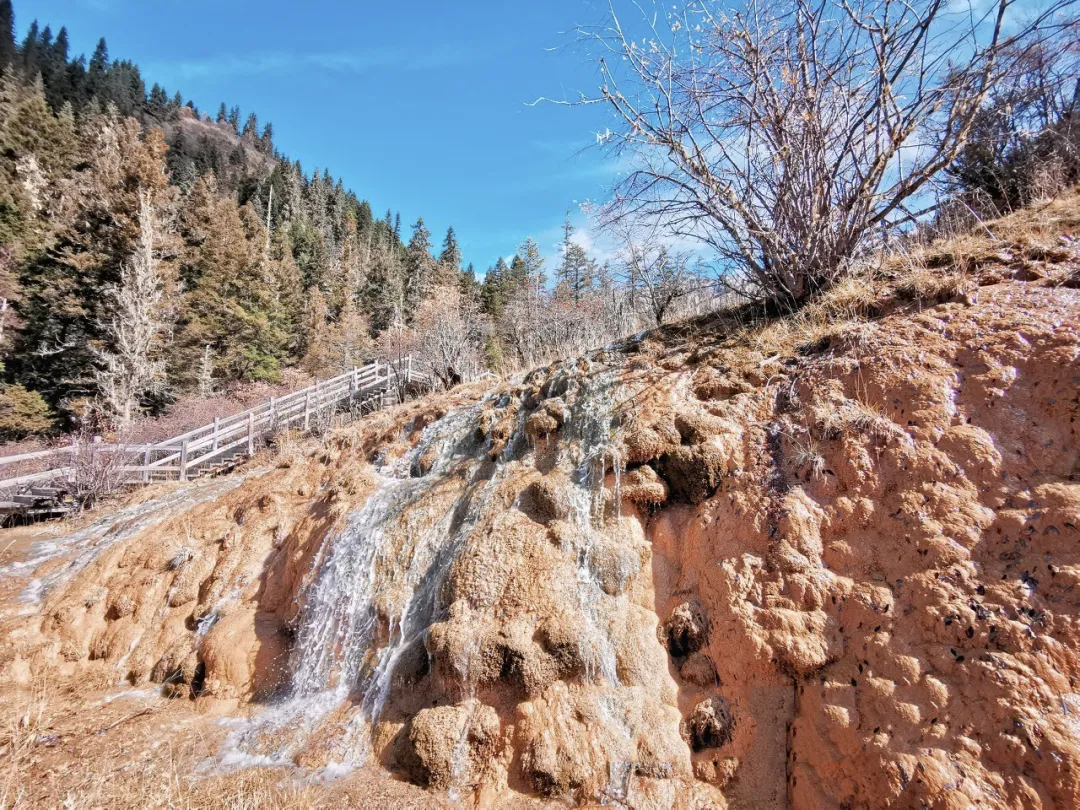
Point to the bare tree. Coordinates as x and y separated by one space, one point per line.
398 343
785 133
130 367
652 270
451 335
206 372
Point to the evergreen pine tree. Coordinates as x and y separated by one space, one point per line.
451 253
494 287
449 268
223 114
576 275
55 71
30 50
229 306
234 119
526 269
158 102
419 268
251 128
470 288
266 141
7 34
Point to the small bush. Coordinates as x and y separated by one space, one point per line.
22 413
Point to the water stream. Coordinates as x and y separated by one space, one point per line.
375 585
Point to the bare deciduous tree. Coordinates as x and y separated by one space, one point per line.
652 270
783 133
451 336
398 343
129 367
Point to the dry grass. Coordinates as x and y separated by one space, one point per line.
58 752
1039 243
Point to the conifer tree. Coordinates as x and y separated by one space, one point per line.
97 70
223 114
419 268
30 50
451 253
55 71
527 268
494 288
251 128
470 288
7 34
576 275
64 308
266 141
383 290
229 306
448 271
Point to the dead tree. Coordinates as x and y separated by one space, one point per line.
129 366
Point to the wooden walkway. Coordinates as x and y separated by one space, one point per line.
210 448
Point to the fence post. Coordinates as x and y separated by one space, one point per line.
408 370
354 381
183 460
146 466
217 423
251 433
307 411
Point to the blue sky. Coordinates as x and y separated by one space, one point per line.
419 107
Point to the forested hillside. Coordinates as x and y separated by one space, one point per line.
153 251
150 249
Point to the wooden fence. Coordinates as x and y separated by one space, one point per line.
219 443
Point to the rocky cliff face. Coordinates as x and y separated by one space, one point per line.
680 572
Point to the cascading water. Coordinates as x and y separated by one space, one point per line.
90 542
588 446
376 581
375 586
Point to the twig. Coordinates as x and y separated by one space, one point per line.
132 716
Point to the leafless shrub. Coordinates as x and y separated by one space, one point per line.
652 270
398 344
787 136
180 558
97 469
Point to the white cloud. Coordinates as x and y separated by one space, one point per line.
259 63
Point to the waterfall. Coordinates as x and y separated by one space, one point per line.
375 586
375 580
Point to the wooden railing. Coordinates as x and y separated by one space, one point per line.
208 447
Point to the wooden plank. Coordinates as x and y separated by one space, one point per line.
39 454
182 453
56 472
